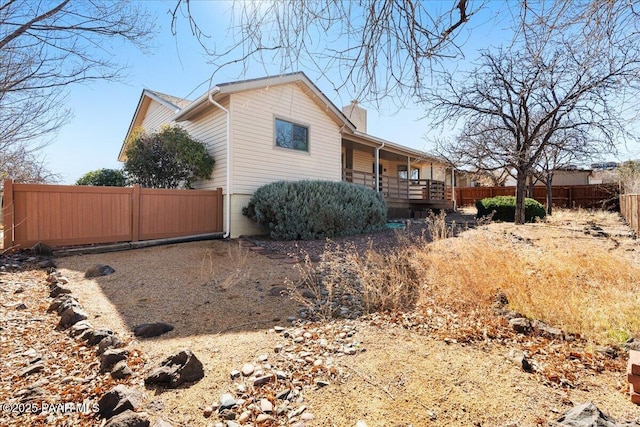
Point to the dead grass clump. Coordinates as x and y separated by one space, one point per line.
373 281
572 283
578 287
232 272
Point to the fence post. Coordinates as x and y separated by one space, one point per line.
135 213
7 214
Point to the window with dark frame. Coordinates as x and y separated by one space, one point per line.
291 135
402 173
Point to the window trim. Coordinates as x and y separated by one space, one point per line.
293 123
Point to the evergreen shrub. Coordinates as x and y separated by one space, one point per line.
505 208
307 210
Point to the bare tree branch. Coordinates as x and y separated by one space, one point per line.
46 46
561 85
378 48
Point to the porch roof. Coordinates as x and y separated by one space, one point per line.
374 142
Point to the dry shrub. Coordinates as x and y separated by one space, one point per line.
373 280
572 283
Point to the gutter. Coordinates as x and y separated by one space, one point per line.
228 143
378 167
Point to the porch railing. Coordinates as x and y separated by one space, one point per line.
393 187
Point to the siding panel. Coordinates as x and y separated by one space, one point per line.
255 158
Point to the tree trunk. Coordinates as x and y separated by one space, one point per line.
549 196
521 188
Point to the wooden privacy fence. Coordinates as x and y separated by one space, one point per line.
61 215
585 196
630 210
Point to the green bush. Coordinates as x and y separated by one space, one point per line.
306 210
505 208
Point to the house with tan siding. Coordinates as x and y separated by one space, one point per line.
284 128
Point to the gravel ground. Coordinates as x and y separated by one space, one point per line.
226 304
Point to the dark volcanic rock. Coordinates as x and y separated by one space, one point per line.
148 330
177 369
71 316
42 250
119 399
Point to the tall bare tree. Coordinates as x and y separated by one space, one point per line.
47 45
377 48
569 73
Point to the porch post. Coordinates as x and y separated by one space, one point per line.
453 188
377 161
408 176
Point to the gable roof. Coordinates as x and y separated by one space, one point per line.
185 109
224 89
173 101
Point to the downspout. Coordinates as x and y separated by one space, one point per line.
228 142
378 167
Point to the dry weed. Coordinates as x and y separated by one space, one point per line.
579 287
575 284
373 281
437 226
223 279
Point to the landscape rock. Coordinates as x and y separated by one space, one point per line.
47 263
41 249
632 344
80 328
263 380
99 270
585 415
247 369
31 369
547 331
148 330
119 399
129 419
71 316
59 301
162 423
121 370
94 337
266 406
227 401
519 359
277 291
57 290
110 341
111 357
521 325
176 369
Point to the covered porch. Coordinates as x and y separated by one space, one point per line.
411 181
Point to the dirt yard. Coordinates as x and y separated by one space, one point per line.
224 300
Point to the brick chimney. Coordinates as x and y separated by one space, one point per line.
357 115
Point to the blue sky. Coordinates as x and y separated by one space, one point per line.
102 111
